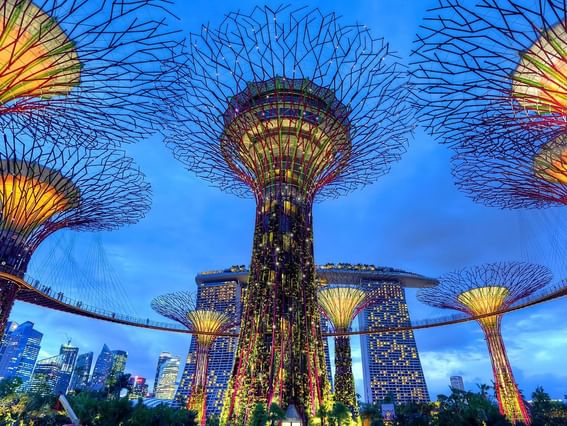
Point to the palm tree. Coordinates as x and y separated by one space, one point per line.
340 412
275 414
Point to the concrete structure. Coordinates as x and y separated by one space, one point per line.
46 375
457 383
165 385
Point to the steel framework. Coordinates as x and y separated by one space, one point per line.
489 288
288 105
485 71
207 325
45 188
341 304
82 71
531 173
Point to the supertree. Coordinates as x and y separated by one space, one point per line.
340 305
485 71
84 71
479 291
531 173
45 188
286 105
206 326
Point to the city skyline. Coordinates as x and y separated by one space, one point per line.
419 231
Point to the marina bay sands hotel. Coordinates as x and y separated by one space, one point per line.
391 365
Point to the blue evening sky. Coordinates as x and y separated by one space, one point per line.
413 218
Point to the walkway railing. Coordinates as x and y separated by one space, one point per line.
44 295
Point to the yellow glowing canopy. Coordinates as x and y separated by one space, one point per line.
550 163
340 304
37 60
203 321
31 195
484 300
540 80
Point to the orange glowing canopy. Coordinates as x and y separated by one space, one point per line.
37 60
204 321
484 300
550 163
540 80
30 195
340 304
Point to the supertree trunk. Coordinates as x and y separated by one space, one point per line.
510 400
344 378
280 352
198 399
8 292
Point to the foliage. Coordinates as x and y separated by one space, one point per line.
275 414
259 416
9 386
546 412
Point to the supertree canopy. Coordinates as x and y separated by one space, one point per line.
82 68
531 173
479 291
490 68
341 304
287 105
45 188
206 326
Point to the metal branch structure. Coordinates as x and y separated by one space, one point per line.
492 68
287 105
45 188
86 71
531 173
206 325
489 288
341 304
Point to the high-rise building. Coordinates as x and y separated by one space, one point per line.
163 357
137 387
80 379
218 290
166 378
19 350
46 375
119 359
390 361
457 383
69 357
102 369
108 368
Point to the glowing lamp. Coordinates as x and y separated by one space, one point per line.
540 80
31 195
37 60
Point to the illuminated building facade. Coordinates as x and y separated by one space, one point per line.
68 358
46 375
82 371
167 377
19 350
390 361
137 387
224 289
219 290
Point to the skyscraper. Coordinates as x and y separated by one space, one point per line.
19 350
119 359
46 375
102 369
222 291
166 379
69 357
163 357
390 361
457 383
108 368
82 371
